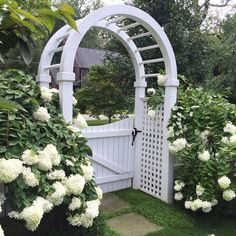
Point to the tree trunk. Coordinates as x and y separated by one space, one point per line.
109 117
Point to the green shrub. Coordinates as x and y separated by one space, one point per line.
44 161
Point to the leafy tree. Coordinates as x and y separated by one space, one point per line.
105 92
19 28
224 71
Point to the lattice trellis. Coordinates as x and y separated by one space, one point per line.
152 153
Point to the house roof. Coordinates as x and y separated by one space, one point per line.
87 57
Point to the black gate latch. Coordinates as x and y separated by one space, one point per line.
134 134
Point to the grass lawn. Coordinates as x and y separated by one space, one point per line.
98 122
175 220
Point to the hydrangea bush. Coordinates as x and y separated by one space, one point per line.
202 136
43 160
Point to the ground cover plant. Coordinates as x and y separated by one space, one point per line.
176 221
43 160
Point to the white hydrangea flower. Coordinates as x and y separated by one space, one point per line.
44 163
170 132
1 231
204 135
224 182
179 185
56 175
10 169
230 128
46 94
99 192
225 140
44 203
151 113
75 220
232 139
151 91
74 101
86 221
199 190
228 195
214 202
187 204
161 79
178 145
206 206
57 197
32 215
92 209
87 171
196 204
73 128
178 196
42 114
69 163
75 204
80 122
14 215
204 156
74 184
29 177
53 90
29 157
51 150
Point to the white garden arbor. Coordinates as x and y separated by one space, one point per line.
151 169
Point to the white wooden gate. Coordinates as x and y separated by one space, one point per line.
113 154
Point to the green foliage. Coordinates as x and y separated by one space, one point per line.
182 21
19 28
105 92
224 70
20 130
200 118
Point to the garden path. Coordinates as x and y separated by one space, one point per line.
121 218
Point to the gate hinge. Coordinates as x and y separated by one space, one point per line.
134 134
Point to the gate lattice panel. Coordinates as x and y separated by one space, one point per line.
151 156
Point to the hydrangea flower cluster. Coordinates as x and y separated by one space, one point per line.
44 164
62 186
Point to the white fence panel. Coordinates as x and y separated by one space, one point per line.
152 153
113 153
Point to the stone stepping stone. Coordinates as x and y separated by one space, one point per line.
132 224
112 202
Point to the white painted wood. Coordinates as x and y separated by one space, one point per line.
150 75
115 20
59 49
106 134
55 66
128 26
147 48
140 36
152 61
113 155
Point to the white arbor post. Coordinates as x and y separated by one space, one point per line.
139 95
168 165
65 80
